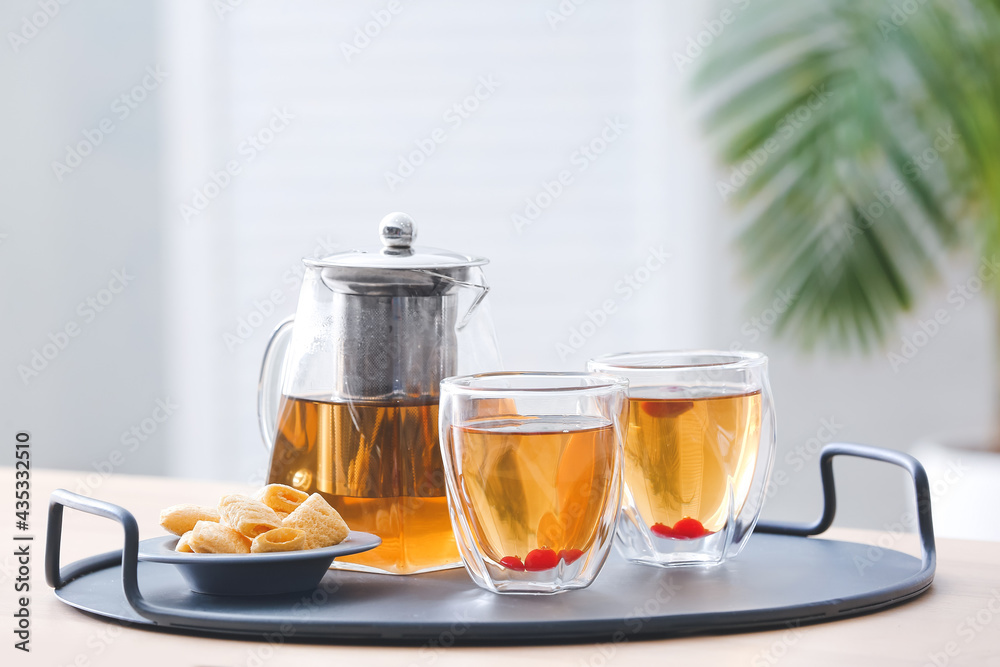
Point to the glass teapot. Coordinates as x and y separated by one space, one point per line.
355 416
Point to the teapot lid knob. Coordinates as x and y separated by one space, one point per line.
397 230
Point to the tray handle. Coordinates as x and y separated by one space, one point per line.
921 486
129 555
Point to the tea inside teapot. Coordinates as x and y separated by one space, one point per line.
356 419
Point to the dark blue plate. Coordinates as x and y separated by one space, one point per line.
253 574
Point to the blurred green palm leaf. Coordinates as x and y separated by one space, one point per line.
861 138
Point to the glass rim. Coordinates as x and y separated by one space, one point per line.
466 382
727 360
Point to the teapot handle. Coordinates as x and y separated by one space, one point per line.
269 386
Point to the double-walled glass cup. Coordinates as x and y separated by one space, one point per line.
698 453
532 466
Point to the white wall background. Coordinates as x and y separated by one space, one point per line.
320 183
62 240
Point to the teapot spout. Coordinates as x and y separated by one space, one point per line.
482 290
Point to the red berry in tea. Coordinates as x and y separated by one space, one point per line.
661 530
570 555
685 529
512 563
540 559
666 408
689 528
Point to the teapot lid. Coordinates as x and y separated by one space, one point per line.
397 232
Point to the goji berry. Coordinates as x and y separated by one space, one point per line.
685 529
512 563
570 555
666 407
689 528
662 530
540 559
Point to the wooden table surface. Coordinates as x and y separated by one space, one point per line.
956 623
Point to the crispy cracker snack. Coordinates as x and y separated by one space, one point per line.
282 499
279 539
179 519
248 516
208 537
184 544
322 524
277 518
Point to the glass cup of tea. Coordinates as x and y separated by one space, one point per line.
532 466
698 453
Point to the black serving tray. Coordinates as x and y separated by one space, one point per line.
783 578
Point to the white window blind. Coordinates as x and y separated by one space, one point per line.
548 145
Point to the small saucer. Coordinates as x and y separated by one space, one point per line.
253 574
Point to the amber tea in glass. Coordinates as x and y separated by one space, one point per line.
688 459
535 487
533 471
698 452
